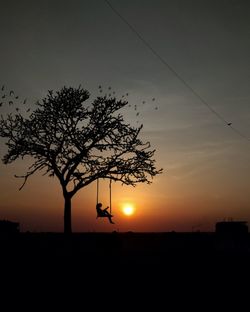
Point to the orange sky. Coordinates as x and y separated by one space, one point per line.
169 203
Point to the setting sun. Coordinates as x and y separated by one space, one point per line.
128 209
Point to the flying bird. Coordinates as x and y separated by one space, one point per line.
229 123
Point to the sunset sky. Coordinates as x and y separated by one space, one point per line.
48 44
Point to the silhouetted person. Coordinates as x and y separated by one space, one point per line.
103 212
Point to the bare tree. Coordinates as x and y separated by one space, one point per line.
78 143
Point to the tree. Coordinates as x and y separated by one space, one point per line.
78 143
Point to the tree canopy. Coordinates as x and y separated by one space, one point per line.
79 142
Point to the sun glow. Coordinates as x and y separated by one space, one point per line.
128 209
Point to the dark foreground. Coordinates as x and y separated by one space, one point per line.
126 249
124 264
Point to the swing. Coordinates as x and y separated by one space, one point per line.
103 213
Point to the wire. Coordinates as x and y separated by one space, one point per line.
165 63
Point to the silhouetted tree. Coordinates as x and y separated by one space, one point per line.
78 143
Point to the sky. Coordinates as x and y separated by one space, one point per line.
48 44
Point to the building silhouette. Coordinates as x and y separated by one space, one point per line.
235 228
9 227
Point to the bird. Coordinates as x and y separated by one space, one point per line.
11 92
17 97
10 102
99 87
143 102
17 109
109 88
27 110
156 108
2 87
24 102
127 94
137 114
153 99
3 96
1 103
229 123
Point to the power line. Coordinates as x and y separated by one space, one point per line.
170 68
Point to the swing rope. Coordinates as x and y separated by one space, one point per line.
110 194
97 191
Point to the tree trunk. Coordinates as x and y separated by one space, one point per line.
67 215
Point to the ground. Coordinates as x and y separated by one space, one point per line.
138 267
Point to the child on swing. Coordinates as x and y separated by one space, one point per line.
103 212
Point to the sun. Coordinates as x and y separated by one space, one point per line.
128 209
